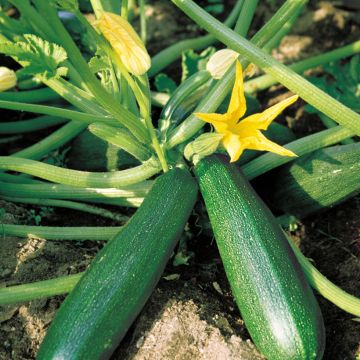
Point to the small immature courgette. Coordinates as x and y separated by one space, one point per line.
275 301
98 312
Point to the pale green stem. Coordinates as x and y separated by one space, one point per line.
142 20
26 126
55 111
300 147
94 233
325 287
38 290
91 209
67 192
81 178
121 138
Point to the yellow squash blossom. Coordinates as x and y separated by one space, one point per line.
125 42
246 134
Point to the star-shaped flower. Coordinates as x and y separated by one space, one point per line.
245 134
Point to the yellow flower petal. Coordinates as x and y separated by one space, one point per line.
237 106
219 121
233 145
260 142
126 43
263 120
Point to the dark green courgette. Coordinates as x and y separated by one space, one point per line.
316 181
275 301
98 312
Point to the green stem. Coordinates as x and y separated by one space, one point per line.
68 205
121 138
60 233
81 178
300 147
165 57
325 287
52 142
60 191
10 139
32 96
75 96
124 9
218 93
55 111
328 123
26 126
265 81
297 84
142 21
245 17
38 290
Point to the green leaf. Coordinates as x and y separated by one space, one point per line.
192 62
100 64
341 82
37 56
68 5
164 83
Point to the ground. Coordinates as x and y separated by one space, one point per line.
191 314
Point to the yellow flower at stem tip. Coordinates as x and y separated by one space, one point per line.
245 134
125 42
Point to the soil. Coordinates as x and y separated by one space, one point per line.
191 314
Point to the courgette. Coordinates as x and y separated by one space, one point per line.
98 312
316 181
275 301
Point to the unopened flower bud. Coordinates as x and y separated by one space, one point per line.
125 42
220 62
7 78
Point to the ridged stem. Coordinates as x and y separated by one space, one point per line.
26 126
60 191
31 96
325 287
121 138
294 82
81 178
300 147
94 233
38 290
52 142
59 112
91 209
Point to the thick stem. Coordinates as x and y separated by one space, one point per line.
300 147
81 178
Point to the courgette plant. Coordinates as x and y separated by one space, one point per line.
103 78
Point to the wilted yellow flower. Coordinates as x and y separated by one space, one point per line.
7 78
126 43
220 62
246 134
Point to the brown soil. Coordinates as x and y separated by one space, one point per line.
193 316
